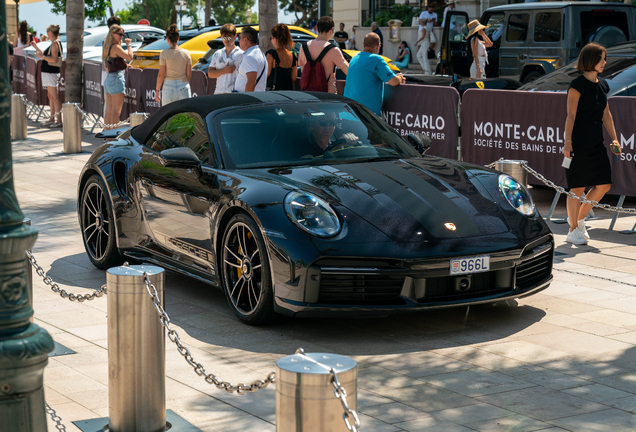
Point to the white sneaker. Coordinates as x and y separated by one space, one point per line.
576 237
581 226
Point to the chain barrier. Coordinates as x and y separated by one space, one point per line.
55 418
559 189
340 393
56 288
104 125
198 367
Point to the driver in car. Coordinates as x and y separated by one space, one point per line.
321 135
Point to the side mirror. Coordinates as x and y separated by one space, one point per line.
421 142
180 157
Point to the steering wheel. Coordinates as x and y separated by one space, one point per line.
335 144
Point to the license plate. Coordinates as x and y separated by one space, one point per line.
462 266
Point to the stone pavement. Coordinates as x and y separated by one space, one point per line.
564 359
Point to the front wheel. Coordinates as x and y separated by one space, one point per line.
532 76
246 273
98 225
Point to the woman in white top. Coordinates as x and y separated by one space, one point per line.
175 70
478 42
23 37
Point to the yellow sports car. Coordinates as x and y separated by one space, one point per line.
197 42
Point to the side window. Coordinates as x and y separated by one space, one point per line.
182 130
517 27
547 27
495 27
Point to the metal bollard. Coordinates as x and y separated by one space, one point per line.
136 351
137 118
514 169
18 118
305 400
72 128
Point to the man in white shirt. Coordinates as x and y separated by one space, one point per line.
224 63
450 7
252 74
428 18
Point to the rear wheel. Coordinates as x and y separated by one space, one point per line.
246 274
532 76
98 225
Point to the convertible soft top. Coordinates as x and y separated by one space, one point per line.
204 105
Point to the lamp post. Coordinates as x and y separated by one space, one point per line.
24 347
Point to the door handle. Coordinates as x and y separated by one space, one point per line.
523 57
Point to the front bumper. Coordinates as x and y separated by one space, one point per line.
332 287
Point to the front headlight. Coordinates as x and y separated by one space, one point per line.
312 214
517 195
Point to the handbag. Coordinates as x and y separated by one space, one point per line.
431 54
58 63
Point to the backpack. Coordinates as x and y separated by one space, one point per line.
314 77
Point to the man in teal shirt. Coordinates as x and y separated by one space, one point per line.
367 74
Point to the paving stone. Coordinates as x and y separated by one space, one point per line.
611 419
597 393
512 423
542 403
477 382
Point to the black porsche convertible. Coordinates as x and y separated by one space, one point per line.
308 204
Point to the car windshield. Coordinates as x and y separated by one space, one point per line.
307 134
619 73
162 44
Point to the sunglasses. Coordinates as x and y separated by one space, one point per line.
119 34
227 38
325 123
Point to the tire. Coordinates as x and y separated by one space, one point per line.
97 223
607 35
532 76
246 275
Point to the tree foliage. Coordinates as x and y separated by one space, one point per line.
403 13
231 11
94 10
303 10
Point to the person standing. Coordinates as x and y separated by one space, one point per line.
449 8
175 70
23 38
428 18
224 63
341 37
114 57
112 20
588 110
313 27
281 62
376 29
367 74
332 58
52 57
478 42
253 65
352 40
423 44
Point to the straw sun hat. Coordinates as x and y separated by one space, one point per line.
473 27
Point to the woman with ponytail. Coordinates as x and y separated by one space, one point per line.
175 70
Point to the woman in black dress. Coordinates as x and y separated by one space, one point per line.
588 111
281 63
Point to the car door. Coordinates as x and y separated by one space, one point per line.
513 52
547 34
176 200
454 48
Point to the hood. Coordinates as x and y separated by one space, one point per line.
409 200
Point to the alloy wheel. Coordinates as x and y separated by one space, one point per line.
242 266
95 222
